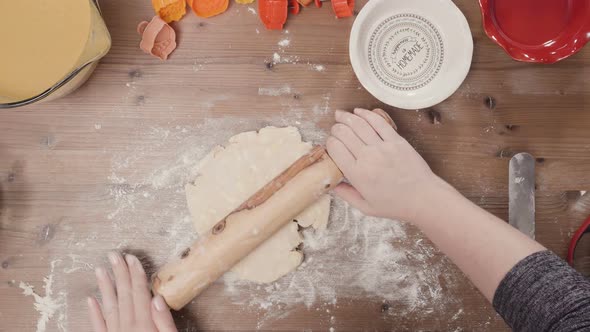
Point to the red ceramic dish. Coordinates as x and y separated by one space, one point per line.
537 30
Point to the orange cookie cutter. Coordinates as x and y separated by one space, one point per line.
273 13
342 8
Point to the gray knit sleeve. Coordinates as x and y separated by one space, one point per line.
543 293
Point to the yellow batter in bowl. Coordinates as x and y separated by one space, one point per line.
49 49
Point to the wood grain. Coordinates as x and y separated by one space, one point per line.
56 158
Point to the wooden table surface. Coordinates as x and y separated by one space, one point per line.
73 172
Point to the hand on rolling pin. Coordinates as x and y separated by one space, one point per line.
129 307
387 176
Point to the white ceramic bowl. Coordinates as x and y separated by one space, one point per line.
411 54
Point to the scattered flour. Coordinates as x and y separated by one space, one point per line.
289 59
318 68
211 102
457 315
284 42
200 63
276 57
50 307
279 56
519 180
197 66
77 264
98 126
323 108
252 10
284 90
358 257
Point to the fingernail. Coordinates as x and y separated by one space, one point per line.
90 301
359 110
130 259
159 303
114 258
338 113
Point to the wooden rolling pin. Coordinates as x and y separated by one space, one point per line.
254 222
246 228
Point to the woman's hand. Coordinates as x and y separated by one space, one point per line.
388 177
129 308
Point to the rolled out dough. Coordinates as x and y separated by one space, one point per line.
229 175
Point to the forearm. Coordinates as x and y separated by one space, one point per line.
543 293
389 179
483 246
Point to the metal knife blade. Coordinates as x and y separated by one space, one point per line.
521 188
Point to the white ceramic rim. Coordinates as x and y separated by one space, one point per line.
437 90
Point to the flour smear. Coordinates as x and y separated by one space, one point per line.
50 306
357 257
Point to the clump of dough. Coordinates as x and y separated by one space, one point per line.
231 174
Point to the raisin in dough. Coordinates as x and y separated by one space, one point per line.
231 174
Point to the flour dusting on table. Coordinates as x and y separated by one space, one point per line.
356 257
50 306
316 67
274 92
284 42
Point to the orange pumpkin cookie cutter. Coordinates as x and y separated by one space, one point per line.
342 8
170 10
208 8
273 13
